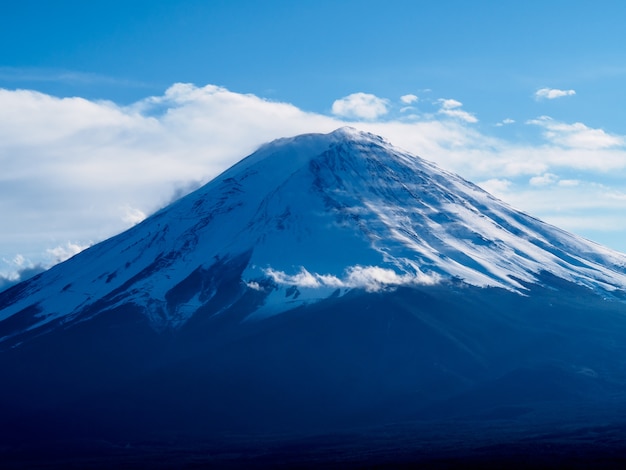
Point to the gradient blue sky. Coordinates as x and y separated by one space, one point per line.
97 129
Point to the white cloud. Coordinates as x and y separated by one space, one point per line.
375 278
254 286
132 216
22 270
543 180
370 278
577 135
615 194
361 106
19 260
452 108
63 252
496 186
450 103
552 93
302 279
585 207
408 99
505 122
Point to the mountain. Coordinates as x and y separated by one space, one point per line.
315 215
323 283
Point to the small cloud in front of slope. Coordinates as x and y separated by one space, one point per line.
369 278
360 106
254 286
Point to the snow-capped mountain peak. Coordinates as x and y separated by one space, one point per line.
302 219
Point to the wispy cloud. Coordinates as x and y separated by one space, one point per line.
577 135
573 204
22 269
361 106
543 180
409 99
505 122
452 108
19 275
132 215
552 93
34 74
62 252
496 186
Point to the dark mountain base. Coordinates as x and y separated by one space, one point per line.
492 445
467 375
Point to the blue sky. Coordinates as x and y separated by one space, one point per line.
108 110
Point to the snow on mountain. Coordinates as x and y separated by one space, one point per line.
303 219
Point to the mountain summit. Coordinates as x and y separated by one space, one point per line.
325 282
